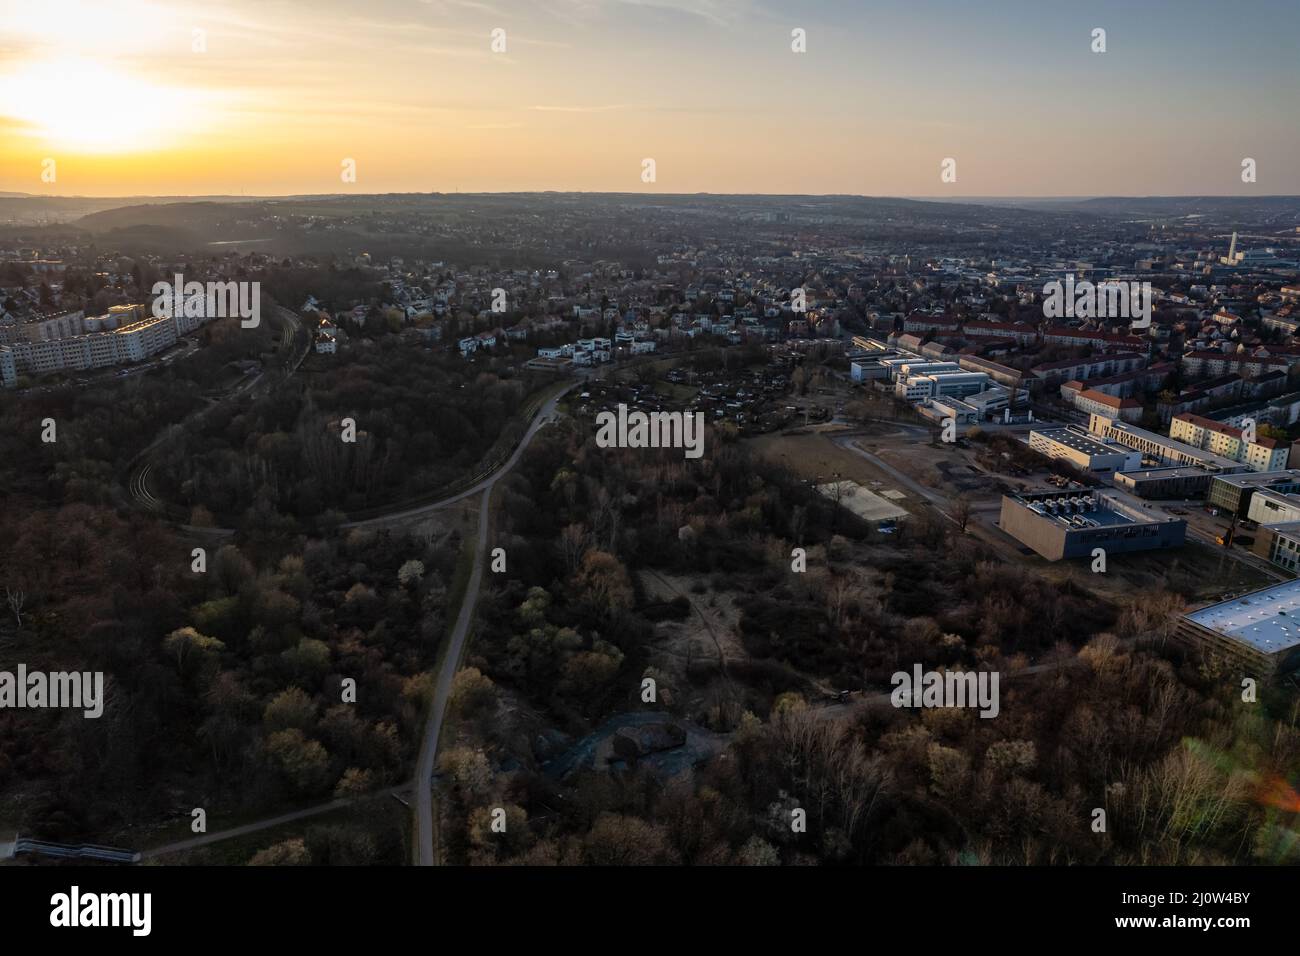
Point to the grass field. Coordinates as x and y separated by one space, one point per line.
813 456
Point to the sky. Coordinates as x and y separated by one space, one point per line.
272 97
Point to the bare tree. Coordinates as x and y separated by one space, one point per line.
961 512
16 600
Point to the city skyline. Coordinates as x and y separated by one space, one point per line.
239 98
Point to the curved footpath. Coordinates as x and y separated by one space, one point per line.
424 827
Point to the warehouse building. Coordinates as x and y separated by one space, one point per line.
1259 632
1067 524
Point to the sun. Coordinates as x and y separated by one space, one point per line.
87 106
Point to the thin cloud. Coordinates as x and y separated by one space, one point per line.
579 109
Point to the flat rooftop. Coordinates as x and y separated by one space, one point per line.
1262 479
1173 471
1108 509
866 504
1081 442
1172 445
1267 620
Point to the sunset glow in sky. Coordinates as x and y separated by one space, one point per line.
134 97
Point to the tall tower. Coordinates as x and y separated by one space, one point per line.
1232 249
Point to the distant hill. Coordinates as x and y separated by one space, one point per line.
21 208
1174 207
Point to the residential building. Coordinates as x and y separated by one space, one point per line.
8 367
1090 401
1164 450
1262 454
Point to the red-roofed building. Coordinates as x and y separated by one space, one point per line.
1262 454
1106 341
1091 402
920 322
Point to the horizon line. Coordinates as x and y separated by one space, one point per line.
584 192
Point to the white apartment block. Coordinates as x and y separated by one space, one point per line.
1263 454
1092 402
140 338
44 328
8 368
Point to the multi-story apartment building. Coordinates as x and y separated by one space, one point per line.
1103 341
1262 454
1090 402
141 337
1084 369
1167 451
1221 363
8 367
43 328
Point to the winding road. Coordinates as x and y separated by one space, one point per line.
424 766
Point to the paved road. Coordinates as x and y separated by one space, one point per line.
442 694
544 414
456 646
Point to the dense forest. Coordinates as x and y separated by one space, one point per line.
422 420
226 689
225 685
